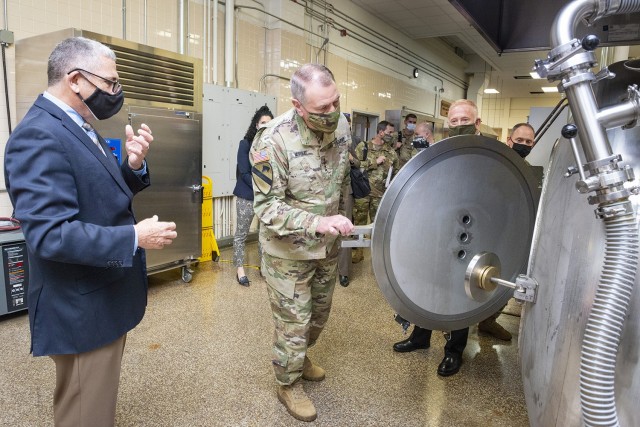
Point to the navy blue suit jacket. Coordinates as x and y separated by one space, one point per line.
244 183
86 286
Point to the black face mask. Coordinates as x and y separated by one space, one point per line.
522 150
104 104
420 143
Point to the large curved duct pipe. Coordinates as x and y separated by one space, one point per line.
566 22
606 318
604 326
594 140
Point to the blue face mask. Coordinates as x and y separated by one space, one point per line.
411 127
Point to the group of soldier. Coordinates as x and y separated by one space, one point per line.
382 158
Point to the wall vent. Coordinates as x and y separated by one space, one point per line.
149 77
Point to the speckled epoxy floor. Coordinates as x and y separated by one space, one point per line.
201 357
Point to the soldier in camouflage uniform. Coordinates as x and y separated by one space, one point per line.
404 147
381 160
300 166
422 138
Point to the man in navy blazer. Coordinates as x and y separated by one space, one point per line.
88 283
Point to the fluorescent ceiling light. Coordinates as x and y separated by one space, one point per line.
534 75
549 89
491 91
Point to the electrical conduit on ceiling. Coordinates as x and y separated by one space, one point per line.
393 45
452 79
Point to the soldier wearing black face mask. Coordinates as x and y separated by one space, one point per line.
522 139
422 138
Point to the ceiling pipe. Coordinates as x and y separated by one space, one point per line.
182 16
124 19
434 68
229 31
214 55
357 38
206 24
144 22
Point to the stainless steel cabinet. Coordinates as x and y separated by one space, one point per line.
175 164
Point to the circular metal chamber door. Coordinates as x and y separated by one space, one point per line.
460 197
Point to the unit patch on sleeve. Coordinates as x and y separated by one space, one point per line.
262 172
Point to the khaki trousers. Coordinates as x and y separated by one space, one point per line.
87 386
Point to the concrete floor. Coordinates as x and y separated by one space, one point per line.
201 357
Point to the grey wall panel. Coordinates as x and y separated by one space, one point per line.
227 113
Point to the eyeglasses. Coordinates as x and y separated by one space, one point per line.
115 84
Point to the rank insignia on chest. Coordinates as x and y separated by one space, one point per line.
262 174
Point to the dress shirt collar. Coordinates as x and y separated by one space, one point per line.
77 118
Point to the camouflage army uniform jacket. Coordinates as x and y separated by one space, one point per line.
296 180
378 172
405 150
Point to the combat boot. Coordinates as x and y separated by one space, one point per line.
298 404
493 328
311 372
357 255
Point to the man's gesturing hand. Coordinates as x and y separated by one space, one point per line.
154 234
137 146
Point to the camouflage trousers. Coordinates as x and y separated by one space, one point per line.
300 294
365 208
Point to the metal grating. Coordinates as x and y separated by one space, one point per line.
153 78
